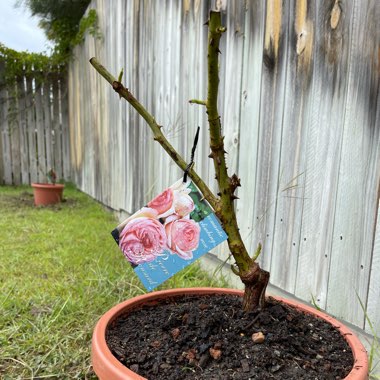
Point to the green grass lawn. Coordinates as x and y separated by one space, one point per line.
60 270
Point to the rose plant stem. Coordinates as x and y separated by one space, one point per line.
156 129
254 278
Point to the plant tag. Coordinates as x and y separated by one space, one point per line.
176 228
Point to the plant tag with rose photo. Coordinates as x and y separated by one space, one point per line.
176 228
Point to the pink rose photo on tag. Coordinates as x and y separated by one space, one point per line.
172 231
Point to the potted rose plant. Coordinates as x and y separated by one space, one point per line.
48 193
255 310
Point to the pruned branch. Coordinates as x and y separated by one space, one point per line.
197 101
156 129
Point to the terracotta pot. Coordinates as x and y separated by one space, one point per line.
107 367
47 194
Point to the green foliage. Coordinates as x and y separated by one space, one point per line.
16 64
63 22
88 24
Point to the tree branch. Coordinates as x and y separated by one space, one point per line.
197 101
156 129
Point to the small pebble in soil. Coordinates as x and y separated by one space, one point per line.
175 333
258 337
216 354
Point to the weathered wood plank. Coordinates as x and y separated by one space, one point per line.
14 134
276 40
326 108
49 138
292 166
56 129
32 134
232 48
5 140
65 130
359 172
21 94
249 118
41 149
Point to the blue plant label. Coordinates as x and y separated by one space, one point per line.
174 229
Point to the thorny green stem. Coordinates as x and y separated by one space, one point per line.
254 278
156 129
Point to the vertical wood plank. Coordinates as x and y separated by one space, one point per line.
14 134
41 149
276 39
295 128
230 93
354 227
325 122
48 124
249 118
24 156
5 140
63 95
32 134
57 130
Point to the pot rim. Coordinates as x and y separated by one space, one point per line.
106 364
48 185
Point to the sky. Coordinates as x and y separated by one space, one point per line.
19 30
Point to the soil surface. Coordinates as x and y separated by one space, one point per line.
211 338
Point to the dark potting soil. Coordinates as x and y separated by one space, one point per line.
210 337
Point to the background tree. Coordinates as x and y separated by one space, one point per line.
62 21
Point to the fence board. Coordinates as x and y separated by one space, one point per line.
350 272
250 106
57 137
327 104
31 123
289 205
14 133
270 132
41 149
6 145
48 125
21 95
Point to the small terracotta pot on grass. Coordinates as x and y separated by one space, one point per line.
47 194
107 367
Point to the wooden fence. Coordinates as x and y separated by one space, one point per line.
34 133
300 110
